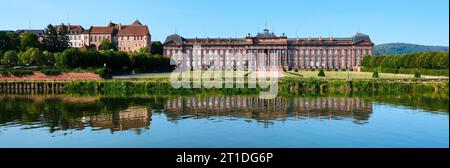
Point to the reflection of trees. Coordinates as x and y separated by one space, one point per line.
429 102
63 113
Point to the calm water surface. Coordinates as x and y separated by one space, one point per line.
223 121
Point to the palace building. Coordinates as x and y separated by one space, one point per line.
267 50
128 38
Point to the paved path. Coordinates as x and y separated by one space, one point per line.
139 75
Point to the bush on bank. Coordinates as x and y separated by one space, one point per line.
290 86
433 72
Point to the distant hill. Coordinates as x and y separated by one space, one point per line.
404 48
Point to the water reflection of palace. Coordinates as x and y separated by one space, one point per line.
253 108
131 118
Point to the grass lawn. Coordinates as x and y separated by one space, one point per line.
354 75
194 74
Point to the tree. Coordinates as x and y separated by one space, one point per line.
366 61
55 38
49 57
10 58
32 56
321 73
4 42
157 48
69 58
106 45
9 41
144 50
29 40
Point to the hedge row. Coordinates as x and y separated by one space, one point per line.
434 72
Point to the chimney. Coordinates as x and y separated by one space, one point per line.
120 26
331 38
320 38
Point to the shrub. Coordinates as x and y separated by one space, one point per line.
51 72
5 73
321 73
105 73
375 74
417 75
21 72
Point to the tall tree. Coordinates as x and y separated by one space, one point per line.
63 38
4 42
29 40
14 41
9 41
157 48
55 38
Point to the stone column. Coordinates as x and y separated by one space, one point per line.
338 58
224 51
286 57
314 57
327 51
308 58
352 61
345 57
256 58
297 56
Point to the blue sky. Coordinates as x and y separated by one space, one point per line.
412 21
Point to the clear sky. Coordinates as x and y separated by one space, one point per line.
411 21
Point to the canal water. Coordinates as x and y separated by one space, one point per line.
325 121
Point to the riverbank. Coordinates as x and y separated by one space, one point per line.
287 86
39 76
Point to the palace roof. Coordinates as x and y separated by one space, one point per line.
175 38
359 37
269 39
266 34
77 28
135 29
101 30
